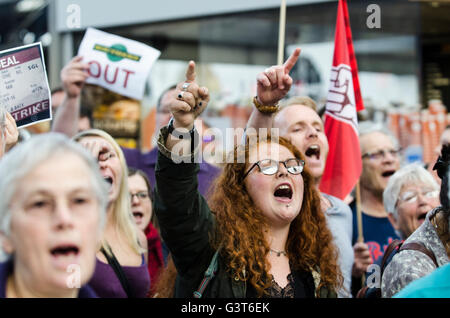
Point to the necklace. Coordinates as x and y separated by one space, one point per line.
279 252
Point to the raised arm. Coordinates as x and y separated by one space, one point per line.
183 214
190 102
272 85
73 77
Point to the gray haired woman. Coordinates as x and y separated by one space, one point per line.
431 237
52 211
409 195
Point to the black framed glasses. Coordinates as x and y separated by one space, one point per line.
381 154
270 166
142 195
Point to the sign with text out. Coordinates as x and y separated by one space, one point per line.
117 63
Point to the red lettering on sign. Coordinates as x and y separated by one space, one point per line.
96 71
115 75
126 77
99 68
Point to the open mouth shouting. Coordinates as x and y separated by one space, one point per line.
283 193
313 151
138 215
109 180
422 217
387 173
312 154
64 255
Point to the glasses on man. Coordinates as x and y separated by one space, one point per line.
381 154
411 196
270 166
143 195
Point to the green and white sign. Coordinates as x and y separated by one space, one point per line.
116 63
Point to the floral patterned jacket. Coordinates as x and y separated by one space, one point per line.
409 265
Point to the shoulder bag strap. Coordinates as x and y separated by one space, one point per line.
421 248
210 273
391 247
112 261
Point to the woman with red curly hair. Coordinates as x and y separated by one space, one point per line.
263 233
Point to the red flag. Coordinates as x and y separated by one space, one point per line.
344 164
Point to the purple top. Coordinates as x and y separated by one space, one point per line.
6 269
107 285
147 163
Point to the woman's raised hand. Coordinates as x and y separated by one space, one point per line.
274 83
11 132
189 101
73 76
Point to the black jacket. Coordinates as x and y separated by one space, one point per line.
186 221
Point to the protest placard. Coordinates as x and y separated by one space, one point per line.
24 89
117 63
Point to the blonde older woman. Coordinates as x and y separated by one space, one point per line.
52 211
121 269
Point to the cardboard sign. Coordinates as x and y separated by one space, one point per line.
24 89
116 63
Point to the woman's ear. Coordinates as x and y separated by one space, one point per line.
393 221
6 243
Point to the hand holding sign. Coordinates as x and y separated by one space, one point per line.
73 77
190 100
118 64
274 83
11 132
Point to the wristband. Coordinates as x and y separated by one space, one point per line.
265 109
178 134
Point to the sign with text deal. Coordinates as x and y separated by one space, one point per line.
116 63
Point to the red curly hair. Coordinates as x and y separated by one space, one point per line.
240 228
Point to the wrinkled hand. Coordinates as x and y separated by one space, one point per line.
274 83
362 259
189 104
73 77
11 132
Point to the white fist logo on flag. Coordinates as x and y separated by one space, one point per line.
341 99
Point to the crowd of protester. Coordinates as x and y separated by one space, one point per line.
160 224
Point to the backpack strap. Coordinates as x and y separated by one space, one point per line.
421 248
210 273
391 248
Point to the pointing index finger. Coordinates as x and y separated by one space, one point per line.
290 62
190 72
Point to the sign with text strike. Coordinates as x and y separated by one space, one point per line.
116 63
24 89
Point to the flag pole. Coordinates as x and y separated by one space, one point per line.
359 213
359 223
281 32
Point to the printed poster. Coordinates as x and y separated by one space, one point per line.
24 89
116 63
